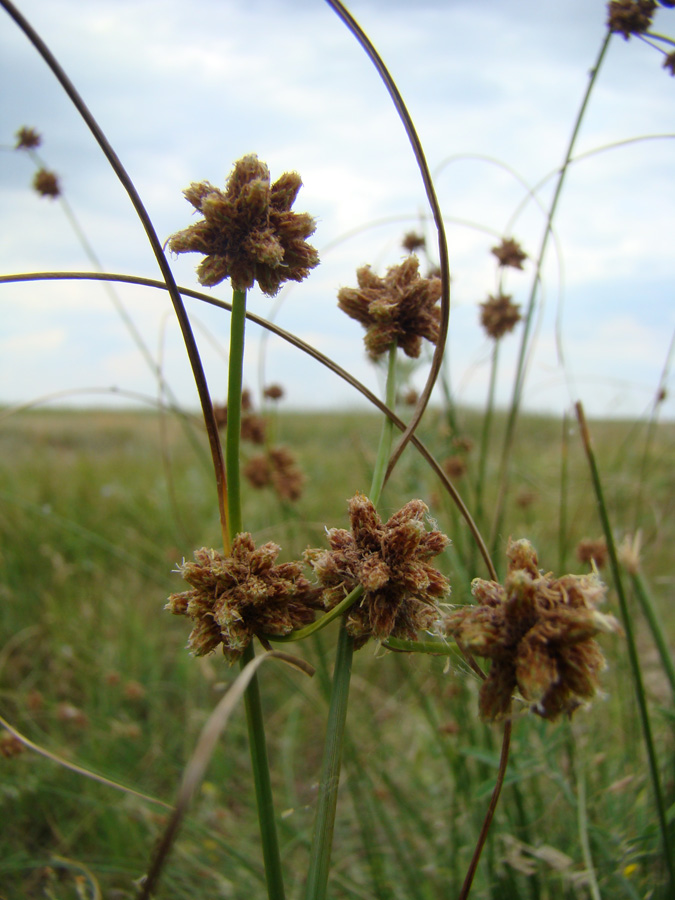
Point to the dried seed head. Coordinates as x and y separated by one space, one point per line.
411 397
287 477
390 561
47 184
510 253
232 598
273 392
413 241
10 746
27 139
499 316
402 307
454 466
595 551
669 62
539 633
629 17
248 233
253 428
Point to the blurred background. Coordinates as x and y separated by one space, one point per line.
183 90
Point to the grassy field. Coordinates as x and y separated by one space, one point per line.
99 507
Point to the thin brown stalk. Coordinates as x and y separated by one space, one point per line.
420 158
489 815
169 281
300 345
196 768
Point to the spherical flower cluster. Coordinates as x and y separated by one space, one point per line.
499 315
47 184
390 562
629 17
277 468
402 307
539 633
510 253
27 138
248 233
232 598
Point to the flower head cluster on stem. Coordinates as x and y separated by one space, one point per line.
402 307
249 233
499 316
390 562
539 633
232 598
629 17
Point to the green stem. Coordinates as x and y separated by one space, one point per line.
322 843
263 785
384 449
485 442
630 643
519 379
233 432
655 627
252 700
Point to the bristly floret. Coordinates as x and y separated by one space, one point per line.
538 631
499 316
402 307
390 561
233 598
629 17
248 233
27 138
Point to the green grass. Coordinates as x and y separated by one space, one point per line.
98 507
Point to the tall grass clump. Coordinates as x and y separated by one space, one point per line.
427 711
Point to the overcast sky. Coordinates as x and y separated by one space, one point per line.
182 90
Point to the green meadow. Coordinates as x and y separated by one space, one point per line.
97 509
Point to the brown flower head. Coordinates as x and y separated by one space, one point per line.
669 62
47 183
258 472
273 392
248 233
27 139
232 598
413 241
390 561
589 550
510 253
287 478
10 746
400 307
499 316
411 397
538 631
277 468
253 428
630 16
454 466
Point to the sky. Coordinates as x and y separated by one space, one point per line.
494 87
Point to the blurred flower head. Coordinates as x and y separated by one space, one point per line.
47 184
499 316
27 138
629 17
510 253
